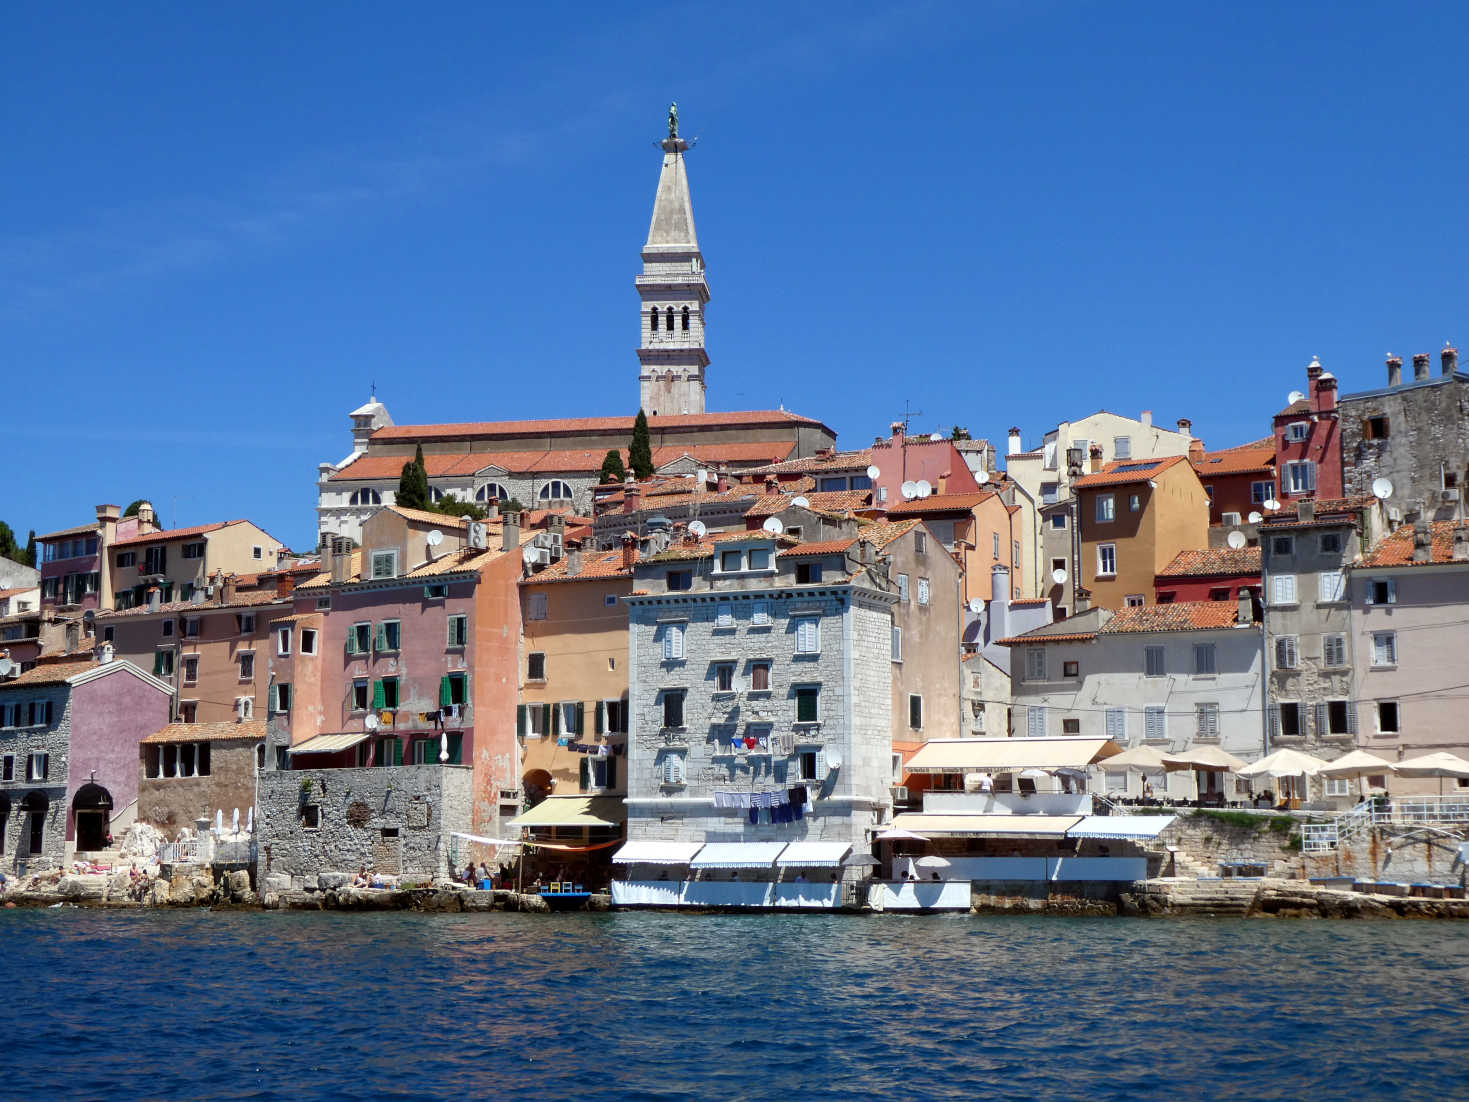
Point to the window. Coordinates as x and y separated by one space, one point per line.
1331 543
1117 724
283 641
1121 447
1334 650
1058 520
808 703
1287 648
760 677
1384 648
1297 431
1106 560
685 319
386 636
385 563
897 644
1204 658
808 636
126 559
360 697
760 614
995 544
1336 717
280 698
1301 476
567 718
611 716
671 768
247 665
365 496
1387 717
1282 546
245 623
163 663
359 638
1135 503
1071 726
903 588
1106 508
808 764
724 615
1261 492
724 677
194 550
533 720
537 606
1050 493
1206 721
1332 586
165 629
757 558
155 560
38 713
38 767
435 591
920 543
923 591
673 642
1154 662
389 752
1338 786
191 669
1382 591
535 666
1136 600
808 573
1070 669
555 490
729 560
308 640
458 631
191 627
491 491
1155 723
7 768
609 600
385 694
1288 719
1282 589
680 579
1035 722
1035 664
1374 428
673 707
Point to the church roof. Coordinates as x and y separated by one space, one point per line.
570 426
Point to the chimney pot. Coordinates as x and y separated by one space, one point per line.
1450 359
1015 442
1306 511
897 429
510 530
1394 371
1147 418
1246 613
1314 368
1185 426
573 561
1420 365
629 549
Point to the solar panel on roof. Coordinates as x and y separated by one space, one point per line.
1133 467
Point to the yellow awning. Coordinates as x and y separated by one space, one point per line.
326 744
575 811
991 755
931 824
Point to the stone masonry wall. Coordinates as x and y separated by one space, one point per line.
423 803
1208 839
1428 426
22 741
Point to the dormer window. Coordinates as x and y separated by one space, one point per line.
758 558
385 563
1297 431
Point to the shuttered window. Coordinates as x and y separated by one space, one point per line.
1035 722
1117 723
808 636
1334 650
1282 589
724 615
1035 664
673 642
1155 663
1286 652
1155 722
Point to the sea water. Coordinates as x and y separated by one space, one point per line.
267 1005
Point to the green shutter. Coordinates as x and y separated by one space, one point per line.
446 690
586 772
380 636
546 710
581 718
456 749
555 718
397 751
601 719
158 663
520 720
377 695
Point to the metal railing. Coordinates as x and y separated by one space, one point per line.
179 853
1324 837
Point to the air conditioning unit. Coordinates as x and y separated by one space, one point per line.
541 555
1231 518
1449 497
1395 515
900 793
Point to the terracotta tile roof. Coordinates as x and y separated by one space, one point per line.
255 598
1332 510
1123 472
817 547
1397 549
23 589
1078 628
427 517
596 566
462 561
1179 616
714 453
178 533
1027 602
1249 458
79 530
571 425
251 729
1303 406
1213 562
733 494
830 502
48 673
1056 637
839 461
940 503
883 532
683 552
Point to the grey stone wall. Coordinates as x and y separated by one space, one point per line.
1428 429
23 741
423 803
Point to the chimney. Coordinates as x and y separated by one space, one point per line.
999 602
1095 457
155 598
1186 426
573 560
629 550
1450 359
197 596
723 483
1394 371
1422 541
105 653
227 587
1420 366
1015 445
632 496
1147 418
556 525
146 517
340 563
1246 607
1196 450
897 430
1323 398
510 530
285 583
107 516
1314 368
771 486
492 511
1305 511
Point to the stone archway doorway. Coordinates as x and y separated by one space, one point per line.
91 809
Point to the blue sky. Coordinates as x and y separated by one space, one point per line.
219 226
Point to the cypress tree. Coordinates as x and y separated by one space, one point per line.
30 559
640 452
413 483
612 468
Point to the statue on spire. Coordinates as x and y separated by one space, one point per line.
673 120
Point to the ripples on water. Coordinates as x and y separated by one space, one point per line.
295 1006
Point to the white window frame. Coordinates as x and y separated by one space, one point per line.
923 591
673 642
911 698
310 640
1106 551
1297 431
1206 659
1261 492
383 563
1384 649
1397 729
1035 663
808 635
1121 447
1155 661
1106 508
1331 587
1300 476
1283 590
283 642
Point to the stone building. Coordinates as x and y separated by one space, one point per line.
1309 645
191 771
1415 433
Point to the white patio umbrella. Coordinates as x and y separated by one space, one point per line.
1358 765
932 861
898 834
1284 764
1440 764
1205 759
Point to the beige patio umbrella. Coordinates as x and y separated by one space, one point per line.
1440 764
1205 759
1284 764
1358 765
1139 757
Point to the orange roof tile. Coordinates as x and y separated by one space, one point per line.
940 503
250 598
1397 549
596 566
884 532
79 530
817 547
571 425
839 461
1179 616
832 502
426 517
251 729
48 673
1244 459
1122 472
178 533
1213 562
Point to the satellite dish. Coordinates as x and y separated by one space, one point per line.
976 605
1272 505
803 502
372 723
982 477
1255 518
1382 488
1295 396
698 528
434 538
873 472
908 490
1236 539
1058 576
833 762
924 487
774 526
7 667
935 436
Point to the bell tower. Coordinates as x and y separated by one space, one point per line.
673 292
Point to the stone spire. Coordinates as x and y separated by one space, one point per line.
673 293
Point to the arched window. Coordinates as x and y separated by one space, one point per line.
670 319
653 320
366 496
555 490
491 491
685 319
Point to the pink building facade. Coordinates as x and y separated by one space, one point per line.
1308 458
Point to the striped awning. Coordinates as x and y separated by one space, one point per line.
956 824
329 744
813 855
650 852
1120 826
737 855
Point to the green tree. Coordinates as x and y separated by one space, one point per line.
30 559
451 506
132 510
640 451
413 483
612 468
9 549
959 433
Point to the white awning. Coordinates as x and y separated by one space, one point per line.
574 811
737 855
651 852
330 744
931 824
995 755
1120 826
814 854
